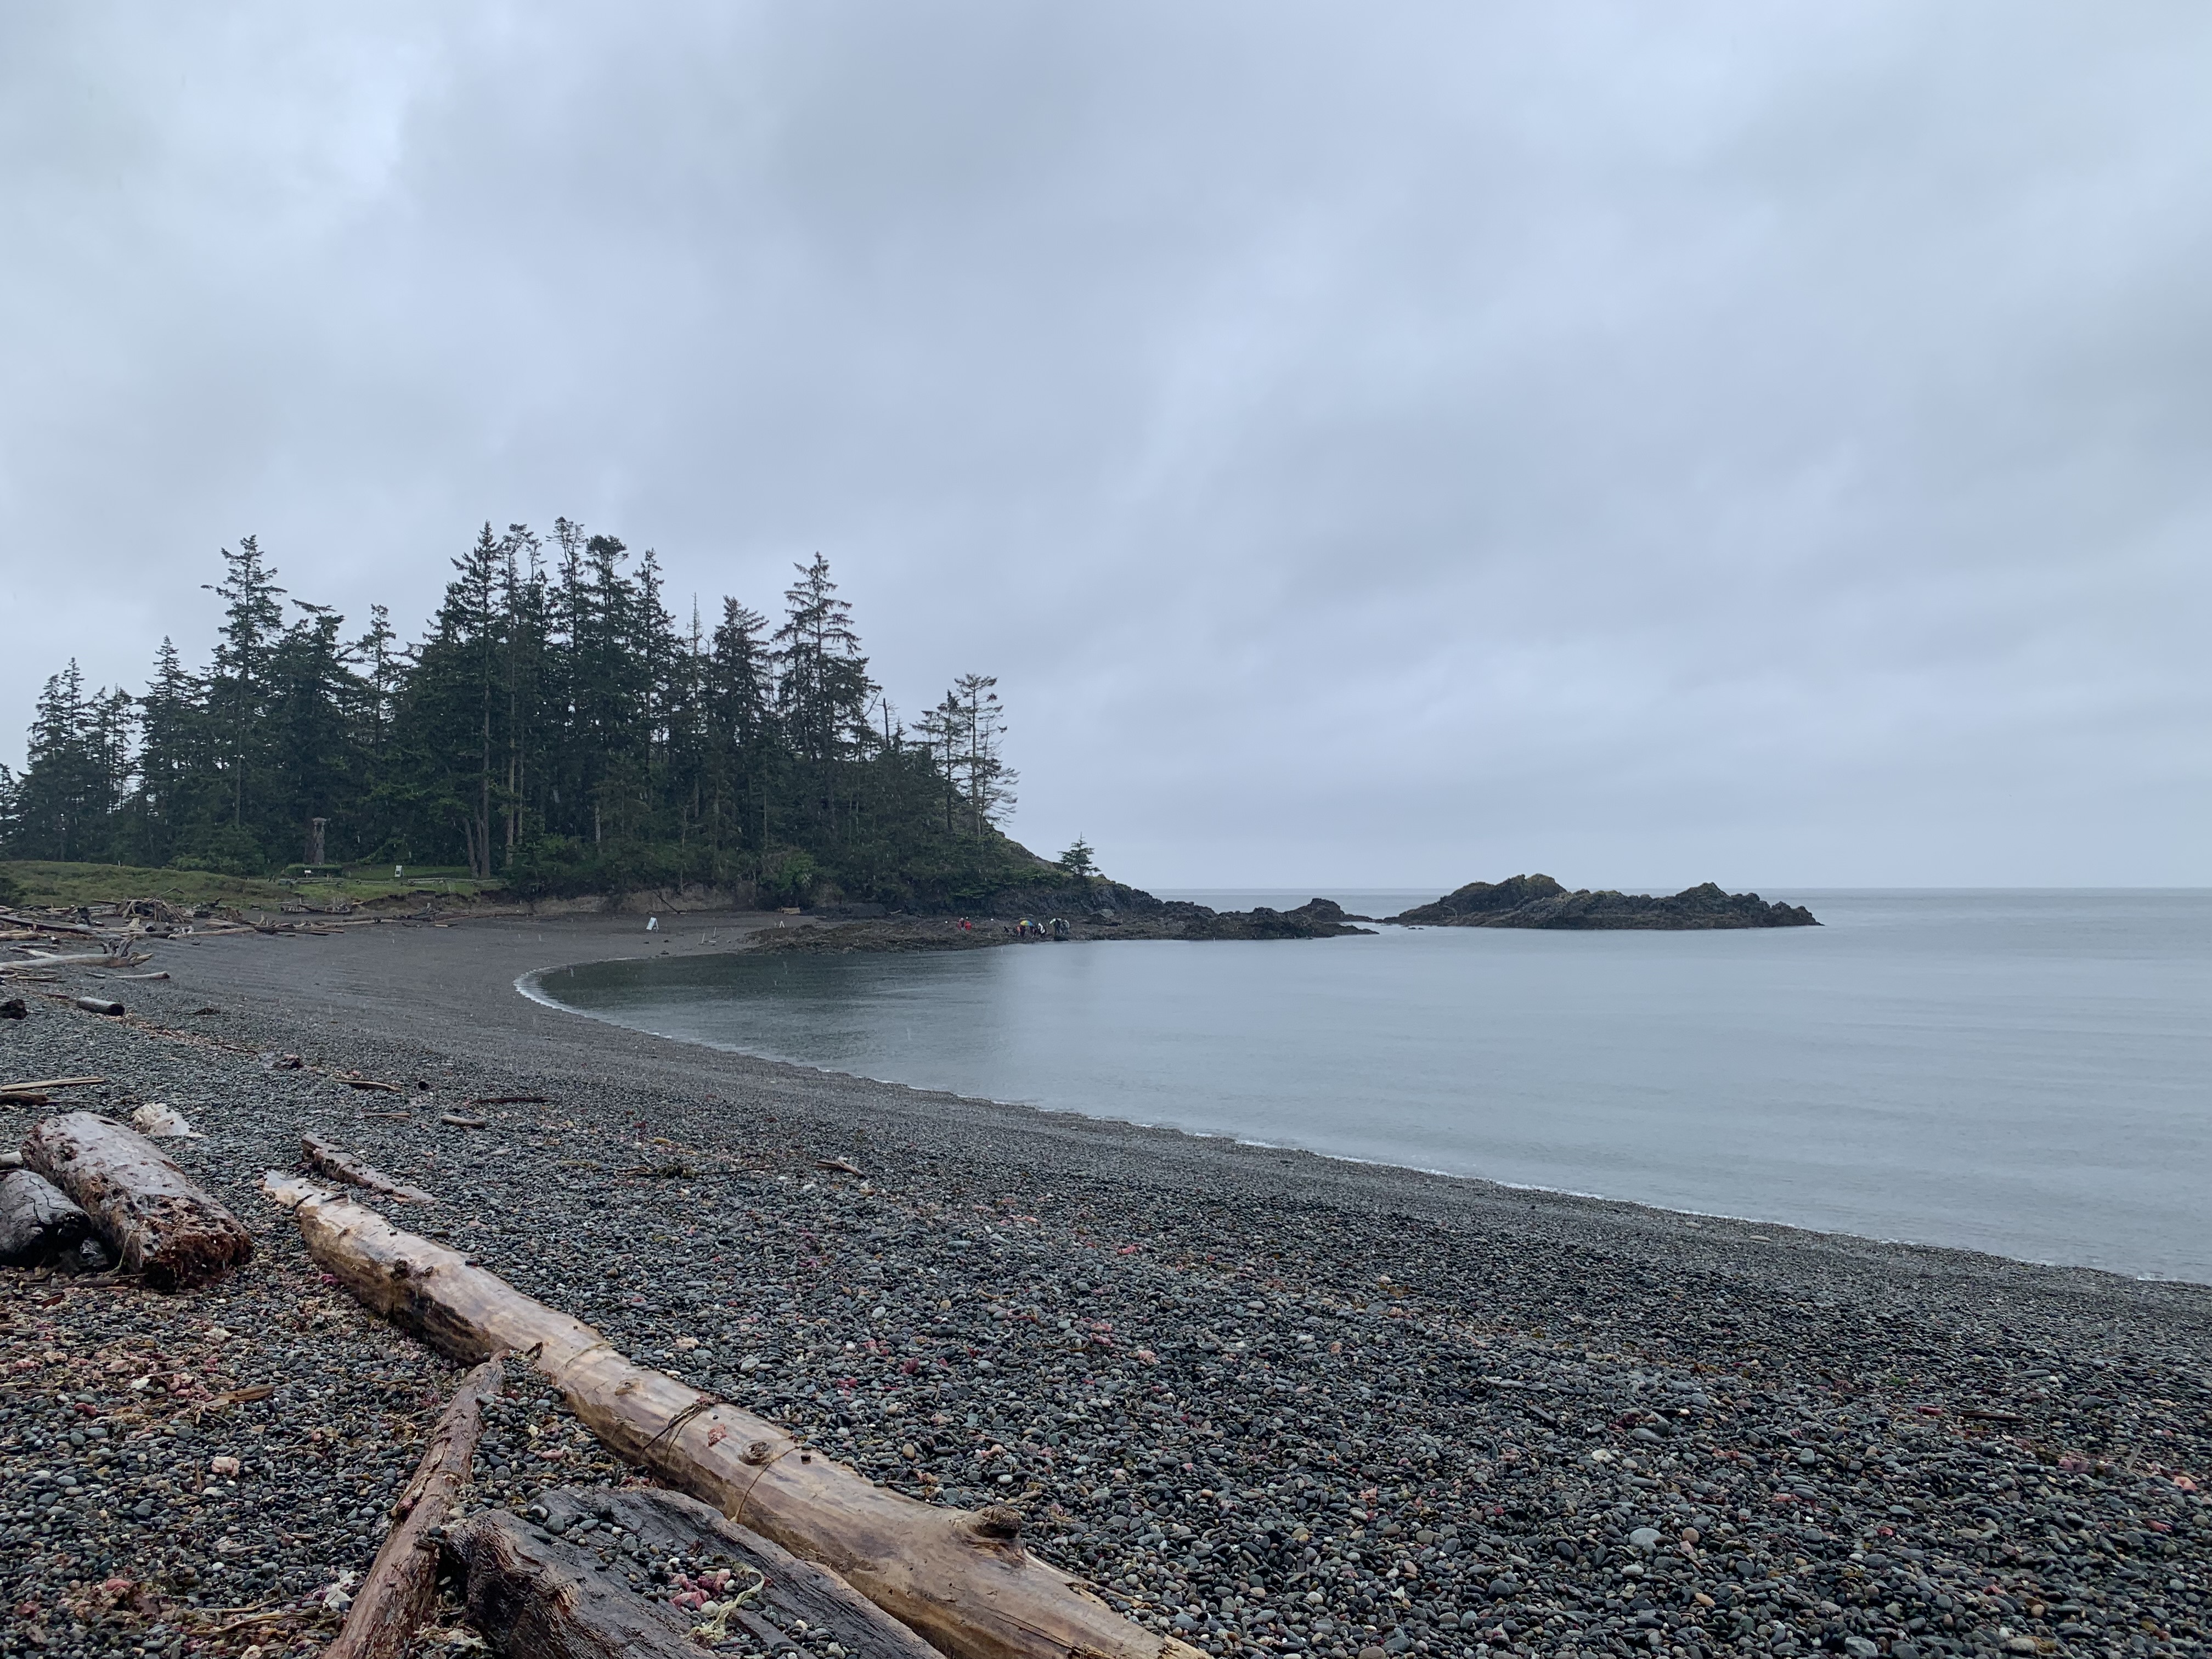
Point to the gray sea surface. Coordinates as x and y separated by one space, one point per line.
2024 1073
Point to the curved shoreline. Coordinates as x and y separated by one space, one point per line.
528 985
1251 1387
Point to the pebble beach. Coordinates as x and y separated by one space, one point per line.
1275 1403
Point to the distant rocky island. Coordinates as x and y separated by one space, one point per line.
1540 902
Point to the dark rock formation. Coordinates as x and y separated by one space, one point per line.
1540 902
1315 919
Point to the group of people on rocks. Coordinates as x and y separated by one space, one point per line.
1056 929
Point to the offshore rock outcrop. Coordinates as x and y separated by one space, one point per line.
1540 902
1315 919
1157 919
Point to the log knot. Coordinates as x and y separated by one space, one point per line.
756 1452
998 1521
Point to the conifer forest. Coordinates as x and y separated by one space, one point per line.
556 728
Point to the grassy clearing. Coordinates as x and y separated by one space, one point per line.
44 883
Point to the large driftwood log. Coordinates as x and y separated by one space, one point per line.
161 1225
36 1217
402 1586
342 1166
547 1593
963 1581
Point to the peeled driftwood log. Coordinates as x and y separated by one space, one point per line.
963 1581
341 1165
161 1225
36 1217
401 1589
100 1005
545 1591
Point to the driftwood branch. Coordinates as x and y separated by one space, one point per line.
40 1085
341 1165
545 1591
401 1589
961 1581
161 1225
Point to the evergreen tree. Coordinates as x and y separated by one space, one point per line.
238 689
977 758
173 763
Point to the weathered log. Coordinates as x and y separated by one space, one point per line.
456 1121
536 1597
401 1589
341 1165
40 1085
963 1582
544 1592
36 1217
160 1224
100 1005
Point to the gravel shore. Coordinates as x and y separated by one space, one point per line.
1278 1403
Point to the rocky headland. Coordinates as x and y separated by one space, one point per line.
1540 902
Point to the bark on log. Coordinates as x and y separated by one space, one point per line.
341 1165
161 1225
534 1598
544 1592
963 1581
401 1589
36 1217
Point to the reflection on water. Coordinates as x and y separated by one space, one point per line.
2016 1073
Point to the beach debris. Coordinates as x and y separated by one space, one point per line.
372 1085
341 1165
37 1219
163 1123
459 1121
401 1590
161 1225
963 1581
13 1008
536 1584
44 1087
101 1005
838 1164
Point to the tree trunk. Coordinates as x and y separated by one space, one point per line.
161 1225
547 1591
401 1590
963 1581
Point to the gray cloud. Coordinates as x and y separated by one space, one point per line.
1391 445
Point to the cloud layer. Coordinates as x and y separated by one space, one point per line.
1371 447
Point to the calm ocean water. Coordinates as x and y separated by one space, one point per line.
2024 1073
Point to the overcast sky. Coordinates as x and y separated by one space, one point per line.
1372 445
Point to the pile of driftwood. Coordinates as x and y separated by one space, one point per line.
961 1582
87 1179
775 1537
